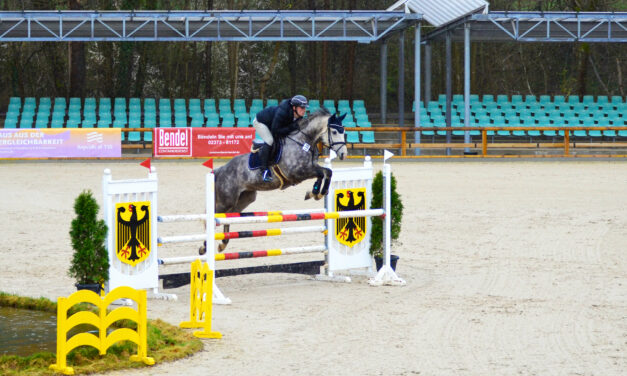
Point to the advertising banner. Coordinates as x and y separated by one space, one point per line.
202 142
60 143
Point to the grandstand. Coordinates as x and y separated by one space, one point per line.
486 111
134 113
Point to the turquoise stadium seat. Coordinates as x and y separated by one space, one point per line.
224 102
213 119
15 102
573 99
516 99
358 103
194 102
605 122
228 121
41 123
197 122
367 137
164 103
499 121
26 121
559 99
515 121
256 108
352 137
10 123
329 104
616 99
134 136
149 122
180 103
425 122
482 121
244 120
180 119
239 109
545 99
105 103
502 99
545 121
209 105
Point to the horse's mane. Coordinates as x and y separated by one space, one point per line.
304 122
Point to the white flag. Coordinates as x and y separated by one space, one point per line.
387 155
332 155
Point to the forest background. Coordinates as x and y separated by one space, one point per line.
322 70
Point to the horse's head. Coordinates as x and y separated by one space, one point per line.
323 127
336 138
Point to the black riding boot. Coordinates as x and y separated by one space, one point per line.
264 155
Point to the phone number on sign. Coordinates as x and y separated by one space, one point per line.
222 142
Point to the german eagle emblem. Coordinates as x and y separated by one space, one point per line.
350 231
133 232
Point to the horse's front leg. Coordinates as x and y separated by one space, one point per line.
321 186
327 182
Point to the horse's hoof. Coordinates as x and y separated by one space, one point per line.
202 250
221 247
318 196
308 195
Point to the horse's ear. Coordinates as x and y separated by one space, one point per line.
342 117
332 118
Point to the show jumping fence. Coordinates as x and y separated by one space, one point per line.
338 256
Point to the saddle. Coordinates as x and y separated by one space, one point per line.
275 154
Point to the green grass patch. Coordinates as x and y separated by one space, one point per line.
166 343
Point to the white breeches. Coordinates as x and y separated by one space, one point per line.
263 132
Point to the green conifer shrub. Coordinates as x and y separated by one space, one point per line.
90 263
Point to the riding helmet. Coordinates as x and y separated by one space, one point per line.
299 101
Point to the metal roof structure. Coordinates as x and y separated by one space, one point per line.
182 26
593 27
441 12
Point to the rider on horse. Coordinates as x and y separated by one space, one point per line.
277 121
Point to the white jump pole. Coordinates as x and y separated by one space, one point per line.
386 275
218 297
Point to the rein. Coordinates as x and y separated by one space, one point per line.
312 149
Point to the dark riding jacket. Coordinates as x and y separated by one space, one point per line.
280 119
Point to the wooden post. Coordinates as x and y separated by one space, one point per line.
566 142
404 140
484 142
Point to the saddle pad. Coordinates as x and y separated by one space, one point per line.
253 157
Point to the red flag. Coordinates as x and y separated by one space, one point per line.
208 163
146 163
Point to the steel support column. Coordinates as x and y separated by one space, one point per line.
427 73
417 87
383 93
401 79
467 84
449 95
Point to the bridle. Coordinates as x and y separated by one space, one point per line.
313 150
340 129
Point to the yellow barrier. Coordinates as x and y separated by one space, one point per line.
102 341
200 301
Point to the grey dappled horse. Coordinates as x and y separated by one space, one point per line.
236 185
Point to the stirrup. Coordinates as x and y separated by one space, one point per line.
267 175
